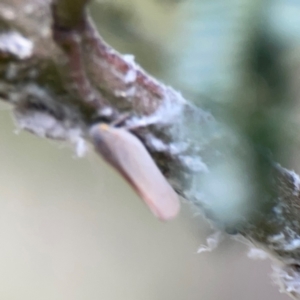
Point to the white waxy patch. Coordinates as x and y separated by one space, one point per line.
129 58
195 164
167 112
13 43
277 238
292 245
296 182
212 241
256 253
288 280
127 93
41 124
130 92
295 176
123 151
45 125
7 13
156 143
130 76
81 147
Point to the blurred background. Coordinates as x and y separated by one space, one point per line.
72 229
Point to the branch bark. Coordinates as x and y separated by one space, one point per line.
60 78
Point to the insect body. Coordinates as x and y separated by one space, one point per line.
122 150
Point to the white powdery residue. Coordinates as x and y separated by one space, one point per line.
119 93
195 164
277 238
171 109
292 245
141 121
294 175
45 125
212 241
129 58
160 146
165 114
130 92
7 13
106 111
287 279
131 75
74 135
42 124
156 143
296 182
177 148
278 209
173 94
256 253
15 44
81 147
290 242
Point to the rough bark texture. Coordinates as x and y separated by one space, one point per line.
60 78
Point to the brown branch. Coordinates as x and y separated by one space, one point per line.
69 14
61 77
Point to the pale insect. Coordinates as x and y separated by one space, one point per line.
125 152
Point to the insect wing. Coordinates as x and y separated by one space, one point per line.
128 156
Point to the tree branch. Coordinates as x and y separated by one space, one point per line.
61 77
